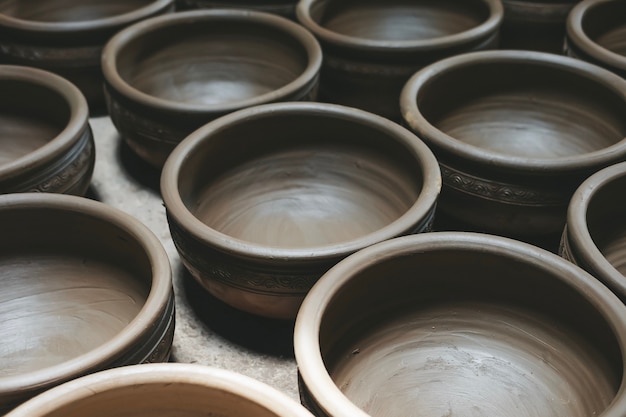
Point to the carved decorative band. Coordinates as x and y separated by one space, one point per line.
335 63
69 56
565 251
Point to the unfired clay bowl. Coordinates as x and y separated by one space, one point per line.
595 235
85 287
461 324
262 202
162 390
596 32
281 7
515 133
67 36
168 76
45 140
372 47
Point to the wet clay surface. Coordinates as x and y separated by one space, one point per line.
307 197
470 359
21 134
61 11
402 20
55 307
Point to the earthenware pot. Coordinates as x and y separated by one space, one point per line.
595 235
67 36
372 48
596 32
284 8
45 140
85 287
168 76
162 390
535 24
462 324
262 202
515 133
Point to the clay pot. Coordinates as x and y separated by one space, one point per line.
286 8
67 36
537 25
460 324
259 212
596 32
595 235
45 140
168 76
372 48
515 133
162 390
85 287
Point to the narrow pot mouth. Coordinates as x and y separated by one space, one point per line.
580 38
139 327
414 89
483 30
418 211
67 138
307 348
154 25
86 26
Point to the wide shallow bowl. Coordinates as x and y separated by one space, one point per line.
515 133
371 48
595 235
285 8
262 202
461 324
168 76
85 287
596 32
67 36
45 139
162 390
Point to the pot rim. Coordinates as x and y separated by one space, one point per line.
155 24
474 154
580 39
425 202
161 374
67 138
578 231
138 328
484 29
112 22
307 352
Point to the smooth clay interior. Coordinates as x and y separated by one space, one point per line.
299 181
65 11
604 24
399 20
524 110
30 117
480 336
69 284
218 62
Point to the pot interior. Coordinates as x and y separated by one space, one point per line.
212 61
70 282
299 181
60 11
30 116
603 23
482 335
524 109
399 20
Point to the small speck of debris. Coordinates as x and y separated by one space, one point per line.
356 351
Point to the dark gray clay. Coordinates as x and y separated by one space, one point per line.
596 32
84 288
170 75
515 133
262 202
67 36
46 143
460 324
372 47
286 8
